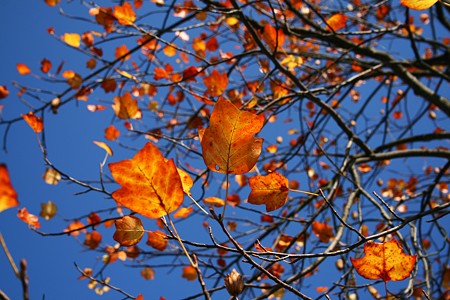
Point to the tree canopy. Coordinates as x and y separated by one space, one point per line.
274 149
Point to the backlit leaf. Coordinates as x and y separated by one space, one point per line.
271 190
273 37
105 147
52 2
214 201
228 144
51 176
337 21
418 4
216 83
148 273
72 39
46 65
8 195
34 121
157 240
183 212
385 261
3 92
122 53
111 133
48 210
75 228
28 218
125 107
151 185
323 231
129 230
124 14
93 239
189 273
23 69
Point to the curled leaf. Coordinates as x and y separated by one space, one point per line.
34 122
129 230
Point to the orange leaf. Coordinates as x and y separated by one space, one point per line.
129 230
46 65
111 133
28 218
151 186
124 14
109 85
75 228
148 273
183 212
189 273
418 4
274 38
271 190
214 201
52 2
93 239
385 261
125 107
323 231
216 83
35 122
122 52
228 143
157 240
3 92
337 22
105 147
8 195
72 39
23 69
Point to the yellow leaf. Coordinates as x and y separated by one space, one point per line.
72 39
105 147
418 4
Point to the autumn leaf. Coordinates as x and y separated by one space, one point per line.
214 201
75 228
122 52
385 261
23 69
228 144
93 239
216 83
48 210
3 92
8 195
148 274
46 65
183 212
105 147
418 4
52 2
111 133
273 37
34 122
323 231
72 39
271 190
129 230
28 218
151 185
51 176
124 14
189 273
337 22
157 240
125 107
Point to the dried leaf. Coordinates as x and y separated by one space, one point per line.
214 201
271 190
228 144
8 195
125 107
48 210
151 185
34 121
28 218
129 230
385 261
51 176
148 274
105 147
93 239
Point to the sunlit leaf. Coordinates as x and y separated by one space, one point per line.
129 230
183 212
125 107
48 210
214 201
124 14
52 2
157 240
72 39
151 185
323 231
122 52
148 274
75 228
111 133
28 218
385 261
418 4
46 65
228 144
189 273
273 37
34 122
3 92
8 195
23 69
105 147
51 176
271 190
216 83
337 21
93 239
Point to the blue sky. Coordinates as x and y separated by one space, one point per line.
69 136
